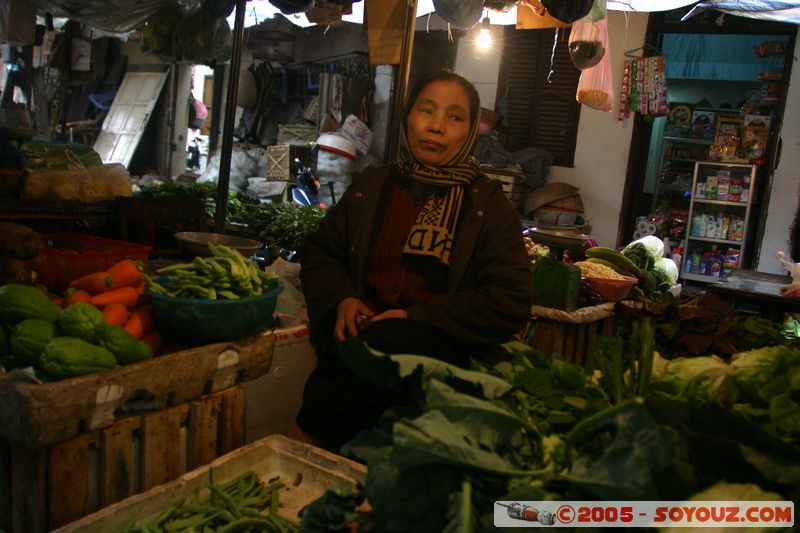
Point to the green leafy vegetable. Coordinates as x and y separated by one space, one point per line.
285 225
640 255
652 244
667 270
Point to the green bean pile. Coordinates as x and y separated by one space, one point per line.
226 274
238 505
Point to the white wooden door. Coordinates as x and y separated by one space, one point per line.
128 116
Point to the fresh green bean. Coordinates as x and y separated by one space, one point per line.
227 501
243 524
273 505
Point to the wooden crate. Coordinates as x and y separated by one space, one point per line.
514 186
296 133
39 414
281 164
49 486
570 335
306 470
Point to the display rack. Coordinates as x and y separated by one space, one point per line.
676 170
719 215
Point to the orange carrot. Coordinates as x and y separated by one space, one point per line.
59 302
140 322
154 340
116 314
94 283
78 296
140 288
126 296
125 273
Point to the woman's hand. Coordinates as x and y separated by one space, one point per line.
348 313
391 313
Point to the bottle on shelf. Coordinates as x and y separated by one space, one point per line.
677 255
696 260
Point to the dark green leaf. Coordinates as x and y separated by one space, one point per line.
775 468
469 410
433 439
390 371
785 413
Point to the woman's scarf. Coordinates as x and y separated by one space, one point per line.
434 228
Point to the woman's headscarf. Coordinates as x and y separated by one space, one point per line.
434 229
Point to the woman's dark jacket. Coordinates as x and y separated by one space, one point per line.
489 284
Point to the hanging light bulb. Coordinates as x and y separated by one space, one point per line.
484 39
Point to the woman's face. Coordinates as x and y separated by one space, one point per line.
439 122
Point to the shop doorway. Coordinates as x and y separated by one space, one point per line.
658 189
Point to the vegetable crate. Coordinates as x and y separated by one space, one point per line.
68 256
306 470
281 165
48 487
76 424
572 335
37 414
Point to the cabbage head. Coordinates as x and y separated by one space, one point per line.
639 255
654 245
754 369
705 379
667 269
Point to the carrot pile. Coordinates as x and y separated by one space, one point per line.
119 293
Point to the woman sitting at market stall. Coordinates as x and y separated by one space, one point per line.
424 256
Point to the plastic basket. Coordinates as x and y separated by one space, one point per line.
612 289
68 256
198 321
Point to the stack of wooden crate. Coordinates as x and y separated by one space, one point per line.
284 159
71 447
515 185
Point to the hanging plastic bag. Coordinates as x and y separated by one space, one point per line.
598 11
596 85
586 39
568 10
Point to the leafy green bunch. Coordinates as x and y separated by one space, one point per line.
286 224
535 428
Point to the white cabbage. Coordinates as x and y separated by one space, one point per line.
654 245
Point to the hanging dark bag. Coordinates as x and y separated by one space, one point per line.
568 10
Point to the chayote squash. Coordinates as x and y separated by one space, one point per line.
81 320
18 302
30 337
126 348
66 357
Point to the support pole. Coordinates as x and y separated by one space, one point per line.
403 70
216 108
230 118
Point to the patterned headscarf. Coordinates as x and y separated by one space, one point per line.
434 228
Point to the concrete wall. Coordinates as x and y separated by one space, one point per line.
603 143
783 203
481 66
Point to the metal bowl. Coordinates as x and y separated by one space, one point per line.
196 243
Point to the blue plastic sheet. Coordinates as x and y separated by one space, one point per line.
775 10
721 57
